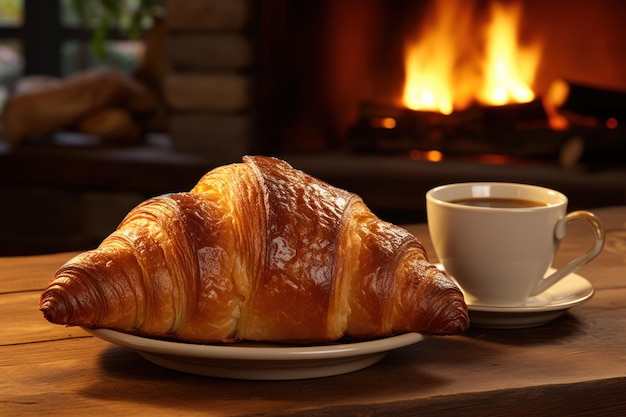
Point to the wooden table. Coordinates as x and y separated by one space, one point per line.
575 365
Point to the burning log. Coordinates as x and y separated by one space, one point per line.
519 131
571 98
594 115
518 116
478 129
389 128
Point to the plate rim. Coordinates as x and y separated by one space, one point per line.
586 294
257 353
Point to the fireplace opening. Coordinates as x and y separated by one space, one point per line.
497 80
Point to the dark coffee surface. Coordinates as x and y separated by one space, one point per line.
499 202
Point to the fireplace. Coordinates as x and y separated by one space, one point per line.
335 75
320 83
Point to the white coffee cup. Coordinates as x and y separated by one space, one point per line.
499 256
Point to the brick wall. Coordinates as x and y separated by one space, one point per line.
208 87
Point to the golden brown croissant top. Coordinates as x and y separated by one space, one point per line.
256 251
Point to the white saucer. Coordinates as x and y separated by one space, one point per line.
260 361
571 291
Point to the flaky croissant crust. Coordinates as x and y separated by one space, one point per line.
256 251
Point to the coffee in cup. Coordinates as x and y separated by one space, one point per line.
498 240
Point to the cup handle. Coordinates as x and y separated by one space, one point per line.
560 230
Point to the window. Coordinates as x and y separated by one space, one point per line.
46 37
11 61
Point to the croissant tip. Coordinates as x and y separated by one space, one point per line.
461 322
457 320
53 309
47 310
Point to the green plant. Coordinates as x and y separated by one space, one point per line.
100 17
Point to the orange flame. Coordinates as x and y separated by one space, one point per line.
429 63
443 72
508 69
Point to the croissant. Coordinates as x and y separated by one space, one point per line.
256 251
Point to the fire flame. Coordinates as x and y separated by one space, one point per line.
447 68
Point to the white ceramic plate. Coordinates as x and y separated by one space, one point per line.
260 361
571 291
